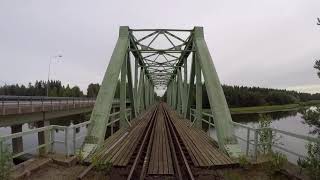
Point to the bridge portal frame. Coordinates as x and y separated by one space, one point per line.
156 74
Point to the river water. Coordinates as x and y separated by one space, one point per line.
31 141
291 121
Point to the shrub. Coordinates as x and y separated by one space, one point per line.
277 161
5 162
243 162
266 137
102 165
312 162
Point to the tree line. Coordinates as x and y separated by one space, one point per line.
56 89
39 88
243 96
236 96
240 96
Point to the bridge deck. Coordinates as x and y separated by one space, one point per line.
203 150
118 148
160 159
153 135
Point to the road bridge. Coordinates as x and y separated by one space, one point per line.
17 110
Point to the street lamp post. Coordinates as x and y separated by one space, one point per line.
52 58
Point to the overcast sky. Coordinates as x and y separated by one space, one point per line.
269 43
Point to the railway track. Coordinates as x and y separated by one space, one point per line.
141 167
159 145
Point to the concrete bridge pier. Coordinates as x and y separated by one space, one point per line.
17 143
43 137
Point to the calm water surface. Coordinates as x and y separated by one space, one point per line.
291 121
31 141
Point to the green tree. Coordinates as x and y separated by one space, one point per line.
93 89
317 66
76 92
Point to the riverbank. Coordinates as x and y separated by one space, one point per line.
272 108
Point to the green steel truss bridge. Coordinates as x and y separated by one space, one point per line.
176 61
138 135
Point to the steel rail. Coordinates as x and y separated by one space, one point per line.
144 141
147 157
173 151
178 145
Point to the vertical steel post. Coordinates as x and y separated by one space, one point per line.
130 87
123 97
255 148
181 92
136 98
17 143
169 93
198 122
185 87
140 95
52 139
74 141
248 141
150 92
150 95
178 95
146 92
191 87
174 92
185 69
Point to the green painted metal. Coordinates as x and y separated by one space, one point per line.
179 103
130 88
181 92
198 122
174 93
218 103
146 92
151 90
169 94
141 91
161 68
123 95
185 87
100 114
191 87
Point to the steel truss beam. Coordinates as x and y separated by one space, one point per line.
161 67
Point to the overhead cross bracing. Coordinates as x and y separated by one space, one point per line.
160 52
146 60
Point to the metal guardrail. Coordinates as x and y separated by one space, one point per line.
30 104
40 98
51 130
255 140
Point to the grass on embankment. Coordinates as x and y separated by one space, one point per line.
272 108
264 109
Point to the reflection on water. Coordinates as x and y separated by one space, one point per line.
243 118
291 121
31 141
